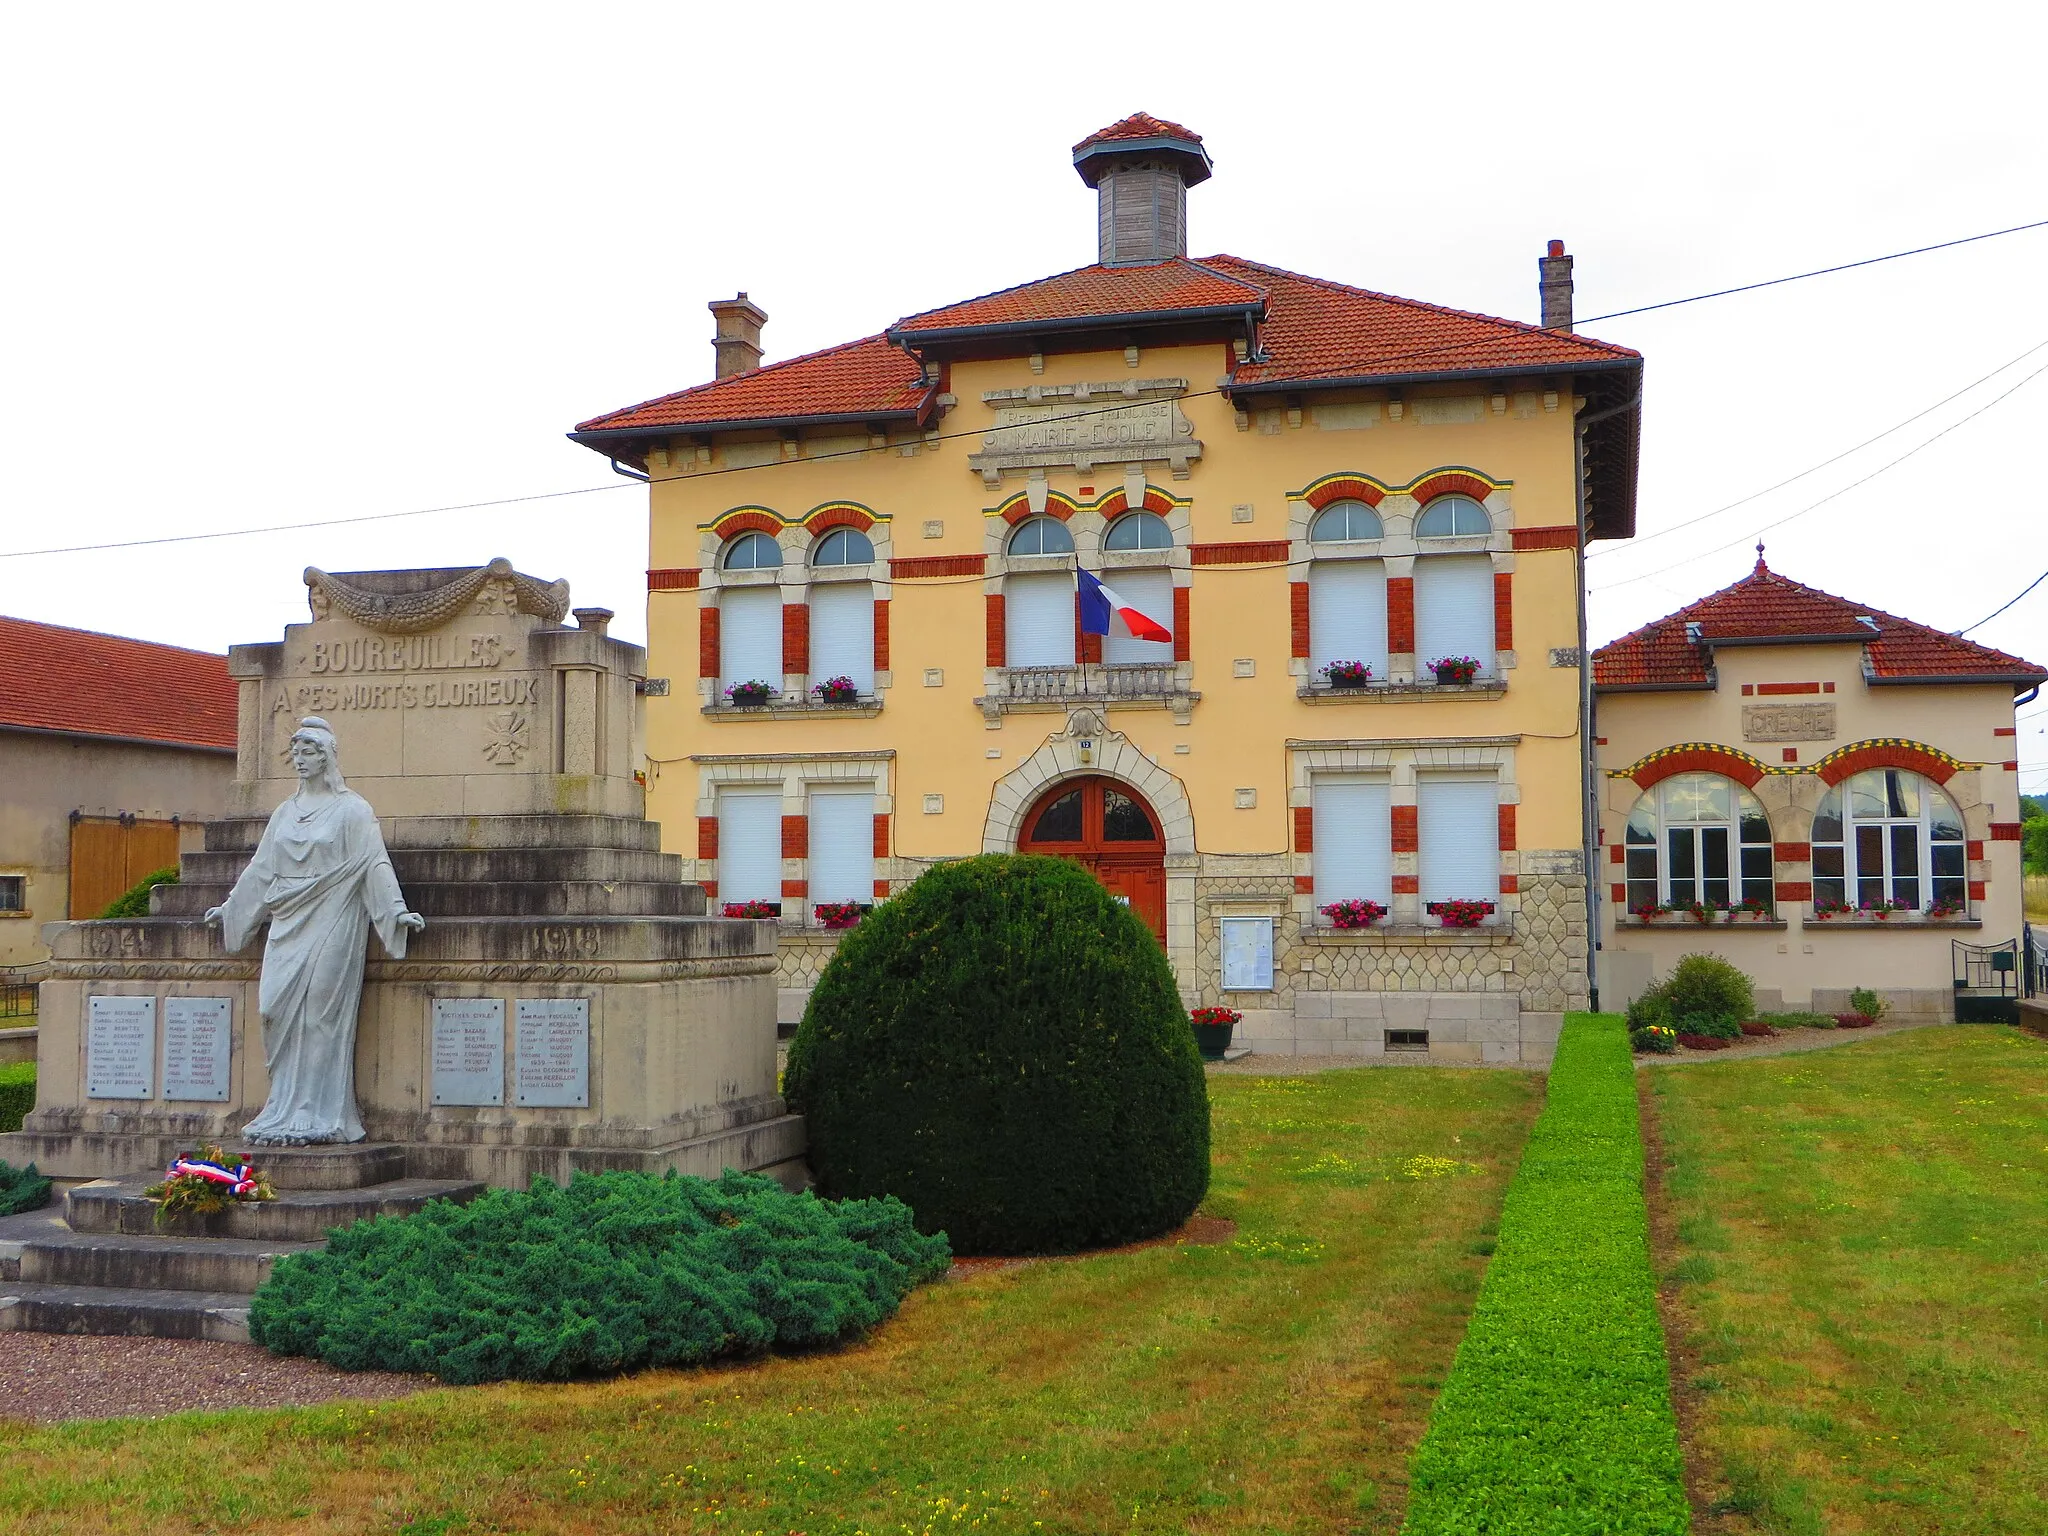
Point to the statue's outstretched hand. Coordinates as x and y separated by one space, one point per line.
411 920
212 918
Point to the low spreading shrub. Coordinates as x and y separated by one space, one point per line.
1694 1042
134 902
1853 1021
614 1272
1757 1028
17 1093
1004 1047
1557 1416
1658 1039
1713 1026
1798 1020
22 1189
1866 1002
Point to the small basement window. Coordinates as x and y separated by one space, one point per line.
13 893
1407 1039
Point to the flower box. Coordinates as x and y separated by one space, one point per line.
838 914
751 694
1347 674
1212 1030
837 690
751 909
1460 914
1355 913
1457 670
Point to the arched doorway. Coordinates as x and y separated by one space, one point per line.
1107 827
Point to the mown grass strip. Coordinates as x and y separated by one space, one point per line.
1557 1415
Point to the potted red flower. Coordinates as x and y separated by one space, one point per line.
1347 674
1455 669
837 690
1212 1030
1460 914
750 694
1354 913
751 909
837 914
1830 908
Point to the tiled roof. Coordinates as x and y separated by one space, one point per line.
1139 125
56 679
1317 329
1090 292
1763 605
868 377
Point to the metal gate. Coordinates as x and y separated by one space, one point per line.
1988 979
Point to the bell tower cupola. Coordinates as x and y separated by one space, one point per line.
1141 169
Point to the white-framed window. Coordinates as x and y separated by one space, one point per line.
1038 619
1347 614
1138 530
1697 837
1457 825
842 845
1353 839
1889 834
1452 517
1454 610
1151 593
750 636
843 546
752 552
749 845
1345 522
1040 536
843 631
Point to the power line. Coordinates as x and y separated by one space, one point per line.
506 501
1643 538
1994 613
1629 581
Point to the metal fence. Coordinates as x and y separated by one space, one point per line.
17 994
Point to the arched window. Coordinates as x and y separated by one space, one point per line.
1698 837
1451 517
1889 836
1345 522
1041 536
843 546
752 552
1139 530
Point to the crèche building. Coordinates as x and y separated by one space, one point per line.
1823 793
863 596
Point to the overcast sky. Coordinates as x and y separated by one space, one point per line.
274 264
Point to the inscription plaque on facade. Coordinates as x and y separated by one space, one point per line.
196 1039
120 1047
553 1061
1788 722
469 1050
1078 426
1247 954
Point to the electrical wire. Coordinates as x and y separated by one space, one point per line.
1994 613
1514 336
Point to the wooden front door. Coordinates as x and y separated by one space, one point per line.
1107 827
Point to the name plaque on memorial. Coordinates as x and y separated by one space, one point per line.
469 1050
196 1040
120 1047
554 1052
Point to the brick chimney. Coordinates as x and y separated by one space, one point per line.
1554 287
737 342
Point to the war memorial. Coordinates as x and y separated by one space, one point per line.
435 948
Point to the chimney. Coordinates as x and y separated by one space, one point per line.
1554 287
1141 169
737 341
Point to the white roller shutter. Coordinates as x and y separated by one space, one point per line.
842 846
1347 615
843 633
1038 615
1151 593
750 636
1352 856
1453 609
749 847
1458 825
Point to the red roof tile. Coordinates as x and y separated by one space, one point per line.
868 377
1317 329
1764 604
1091 292
56 679
1139 125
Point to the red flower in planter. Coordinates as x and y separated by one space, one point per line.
1216 1016
1354 913
1455 669
837 914
1460 914
751 909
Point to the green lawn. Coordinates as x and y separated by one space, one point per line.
1275 1382
1859 1238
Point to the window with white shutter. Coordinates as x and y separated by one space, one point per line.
1347 614
1353 839
1151 593
749 846
750 636
1038 614
1454 609
843 633
842 840
1458 826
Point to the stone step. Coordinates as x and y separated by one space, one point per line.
123 1262
349 1165
240 835
478 865
33 1307
506 898
296 1216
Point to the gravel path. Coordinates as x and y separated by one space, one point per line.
1789 1042
1297 1066
52 1376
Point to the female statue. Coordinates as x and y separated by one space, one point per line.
322 879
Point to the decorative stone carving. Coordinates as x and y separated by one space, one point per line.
506 740
494 589
1788 722
1078 426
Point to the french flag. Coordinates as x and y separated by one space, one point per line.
1099 602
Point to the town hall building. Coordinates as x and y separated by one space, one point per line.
1357 519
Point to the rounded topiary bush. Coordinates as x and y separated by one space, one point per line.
1002 1047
